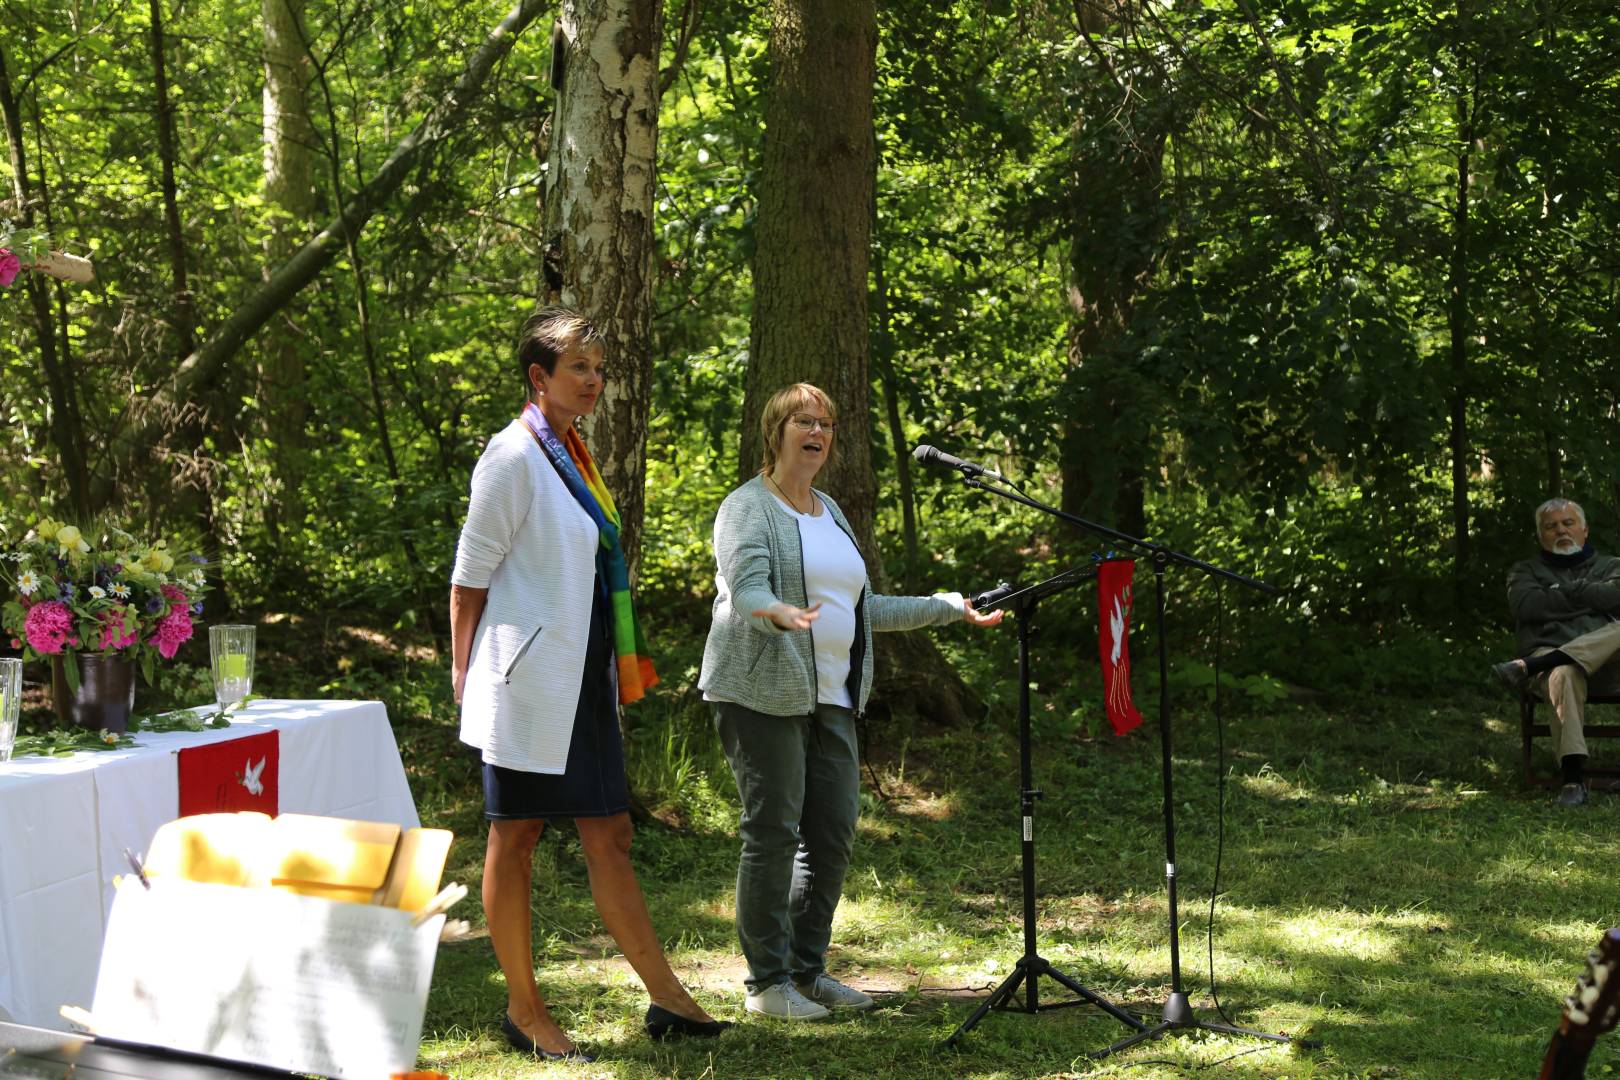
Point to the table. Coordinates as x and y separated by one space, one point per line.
65 822
28 1053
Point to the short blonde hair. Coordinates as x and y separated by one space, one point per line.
782 405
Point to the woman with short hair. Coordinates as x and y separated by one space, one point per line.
787 669
545 647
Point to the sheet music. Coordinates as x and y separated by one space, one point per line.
267 977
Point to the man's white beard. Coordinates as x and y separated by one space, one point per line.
1565 545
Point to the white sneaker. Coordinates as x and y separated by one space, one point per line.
784 1002
834 994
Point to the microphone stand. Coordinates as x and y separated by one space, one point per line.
1177 1016
1031 966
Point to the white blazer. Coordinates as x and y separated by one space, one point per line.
533 547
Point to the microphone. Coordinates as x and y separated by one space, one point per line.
991 597
928 455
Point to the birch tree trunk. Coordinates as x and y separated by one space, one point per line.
289 191
599 237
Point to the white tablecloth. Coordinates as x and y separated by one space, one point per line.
65 822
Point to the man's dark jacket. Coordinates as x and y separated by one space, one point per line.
1556 598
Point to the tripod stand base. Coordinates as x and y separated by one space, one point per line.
1178 1017
1030 968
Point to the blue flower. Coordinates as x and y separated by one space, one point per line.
155 604
67 590
196 609
199 560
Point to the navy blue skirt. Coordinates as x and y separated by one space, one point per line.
592 784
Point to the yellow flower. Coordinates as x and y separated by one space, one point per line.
47 529
70 539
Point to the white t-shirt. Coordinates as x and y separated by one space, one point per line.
834 576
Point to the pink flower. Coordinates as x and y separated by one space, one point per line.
48 627
10 266
171 632
113 635
177 599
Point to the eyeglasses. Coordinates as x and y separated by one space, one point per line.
806 422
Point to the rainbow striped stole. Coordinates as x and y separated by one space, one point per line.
580 476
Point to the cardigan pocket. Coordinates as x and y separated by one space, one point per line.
520 654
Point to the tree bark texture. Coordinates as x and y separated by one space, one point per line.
599 223
814 230
289 192
1115 250
810 321
200 371
66 426
185 318
1458 316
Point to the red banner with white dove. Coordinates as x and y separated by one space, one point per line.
239 774
1114 641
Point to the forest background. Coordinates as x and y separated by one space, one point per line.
1323 292
1320 291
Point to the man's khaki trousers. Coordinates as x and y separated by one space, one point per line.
1566 686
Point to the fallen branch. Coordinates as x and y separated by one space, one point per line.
198 372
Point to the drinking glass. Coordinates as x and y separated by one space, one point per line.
230 653
10 703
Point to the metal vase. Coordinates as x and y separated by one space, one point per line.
106 694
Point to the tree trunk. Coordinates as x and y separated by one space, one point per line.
810 321
201 371
185 319
599 213
1115 249
195 497
888 377
1458 319
66 426
289 192
814 228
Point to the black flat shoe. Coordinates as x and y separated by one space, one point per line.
1512 675
520 1041
663 1024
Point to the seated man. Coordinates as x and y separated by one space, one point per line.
1565 605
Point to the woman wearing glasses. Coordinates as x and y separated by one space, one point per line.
787 667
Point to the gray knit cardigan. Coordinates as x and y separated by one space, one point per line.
748 659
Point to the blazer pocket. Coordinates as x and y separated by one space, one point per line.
517 658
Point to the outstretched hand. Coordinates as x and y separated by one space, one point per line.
974 616
788 617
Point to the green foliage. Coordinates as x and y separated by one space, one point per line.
1195 265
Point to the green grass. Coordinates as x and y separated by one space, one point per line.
1390 890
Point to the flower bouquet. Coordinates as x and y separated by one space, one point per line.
100 605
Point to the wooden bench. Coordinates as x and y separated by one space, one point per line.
1529 730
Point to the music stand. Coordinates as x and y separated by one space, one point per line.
1177 1016
1032 965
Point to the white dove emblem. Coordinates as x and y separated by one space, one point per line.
250 778
1116 629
